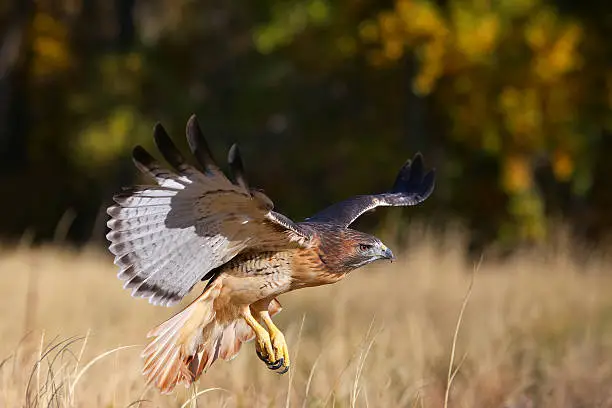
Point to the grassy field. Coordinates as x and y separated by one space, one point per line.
536 332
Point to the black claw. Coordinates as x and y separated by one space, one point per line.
262 357
276 365
273 365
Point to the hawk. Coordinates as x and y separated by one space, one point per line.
197 225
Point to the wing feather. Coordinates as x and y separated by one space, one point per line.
235 161
412 186
166 238
199 147
118 225
128 214
149 166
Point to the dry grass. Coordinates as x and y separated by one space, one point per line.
536 332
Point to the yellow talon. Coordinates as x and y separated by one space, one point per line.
263 343
279 344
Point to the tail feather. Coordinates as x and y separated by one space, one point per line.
171 374
188 343
165 333
198 362
228 349
177 340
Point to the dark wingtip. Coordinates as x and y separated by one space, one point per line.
144 161
233 156
162 139
429 183
166 146
411 176
141 156
198 145
236 166
158 129
417 166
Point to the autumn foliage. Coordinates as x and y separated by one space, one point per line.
510 100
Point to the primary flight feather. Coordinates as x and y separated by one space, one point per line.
196 224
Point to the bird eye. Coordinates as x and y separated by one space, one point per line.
364 247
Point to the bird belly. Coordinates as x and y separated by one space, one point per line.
248 290
257 277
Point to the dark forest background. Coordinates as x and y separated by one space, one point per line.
510 100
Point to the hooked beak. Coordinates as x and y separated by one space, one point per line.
387 254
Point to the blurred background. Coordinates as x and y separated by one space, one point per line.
510 100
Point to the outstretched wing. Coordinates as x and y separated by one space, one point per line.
166 238
412 186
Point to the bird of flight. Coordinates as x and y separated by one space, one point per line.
197 225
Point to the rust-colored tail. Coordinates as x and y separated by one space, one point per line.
189 342
192 340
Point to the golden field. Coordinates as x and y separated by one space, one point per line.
536 332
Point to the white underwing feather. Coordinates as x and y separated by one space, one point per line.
165 238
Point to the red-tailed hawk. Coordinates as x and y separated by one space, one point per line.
197 225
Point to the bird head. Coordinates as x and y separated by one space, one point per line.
367 249
345 249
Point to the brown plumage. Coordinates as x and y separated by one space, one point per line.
197 225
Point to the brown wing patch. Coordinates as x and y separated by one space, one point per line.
166 237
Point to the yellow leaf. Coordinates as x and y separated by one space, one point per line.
390 24
563 165
368 31
516 174
49 46
393 49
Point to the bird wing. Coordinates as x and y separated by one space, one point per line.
412 186
167 237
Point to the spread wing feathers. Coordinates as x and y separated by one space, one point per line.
236 167
199 147
412 186
165 238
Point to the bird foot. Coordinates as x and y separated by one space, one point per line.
278 360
